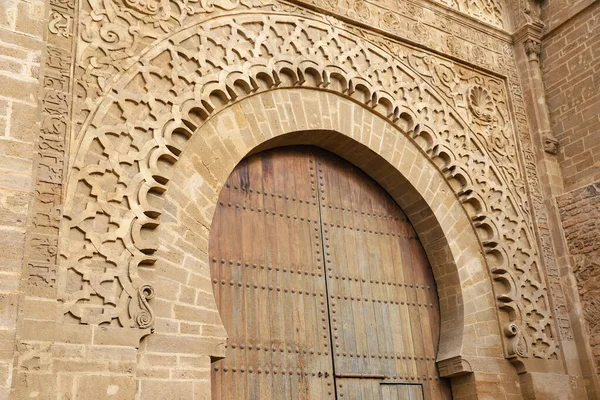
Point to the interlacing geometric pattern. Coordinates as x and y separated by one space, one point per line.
459 118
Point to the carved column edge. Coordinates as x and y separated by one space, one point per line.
528 49
530 35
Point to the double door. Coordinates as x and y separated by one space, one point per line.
322 285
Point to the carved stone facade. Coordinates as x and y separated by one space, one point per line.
145 107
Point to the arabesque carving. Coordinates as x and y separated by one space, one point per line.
112 34
42 241
538 208
127 146
488 11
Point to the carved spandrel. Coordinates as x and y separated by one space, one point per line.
100 59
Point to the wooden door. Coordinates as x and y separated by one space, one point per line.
322 285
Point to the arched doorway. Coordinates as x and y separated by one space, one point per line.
322 285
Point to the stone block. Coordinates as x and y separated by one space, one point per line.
7 343
8 309
25 120
96 387
18 89
185 345
166 389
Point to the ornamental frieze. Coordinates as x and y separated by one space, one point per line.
487 11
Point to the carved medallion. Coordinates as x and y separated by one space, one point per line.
360 9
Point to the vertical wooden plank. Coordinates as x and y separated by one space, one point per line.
247 258
420 260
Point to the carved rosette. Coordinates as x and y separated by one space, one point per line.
360 9
110 219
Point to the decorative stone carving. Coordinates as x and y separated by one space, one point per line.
360 10
488 11
532 11
538 209
533 49
481 104
60 24
148 7
524 13
145 316
42 243
550 144
112 35
454 366
126 147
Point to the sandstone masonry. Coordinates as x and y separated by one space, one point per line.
121 120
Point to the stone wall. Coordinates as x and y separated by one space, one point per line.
556 12
571 72
580 213
21 47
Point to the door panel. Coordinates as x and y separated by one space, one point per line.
318 274
381 291
407 392
369 388
268 280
